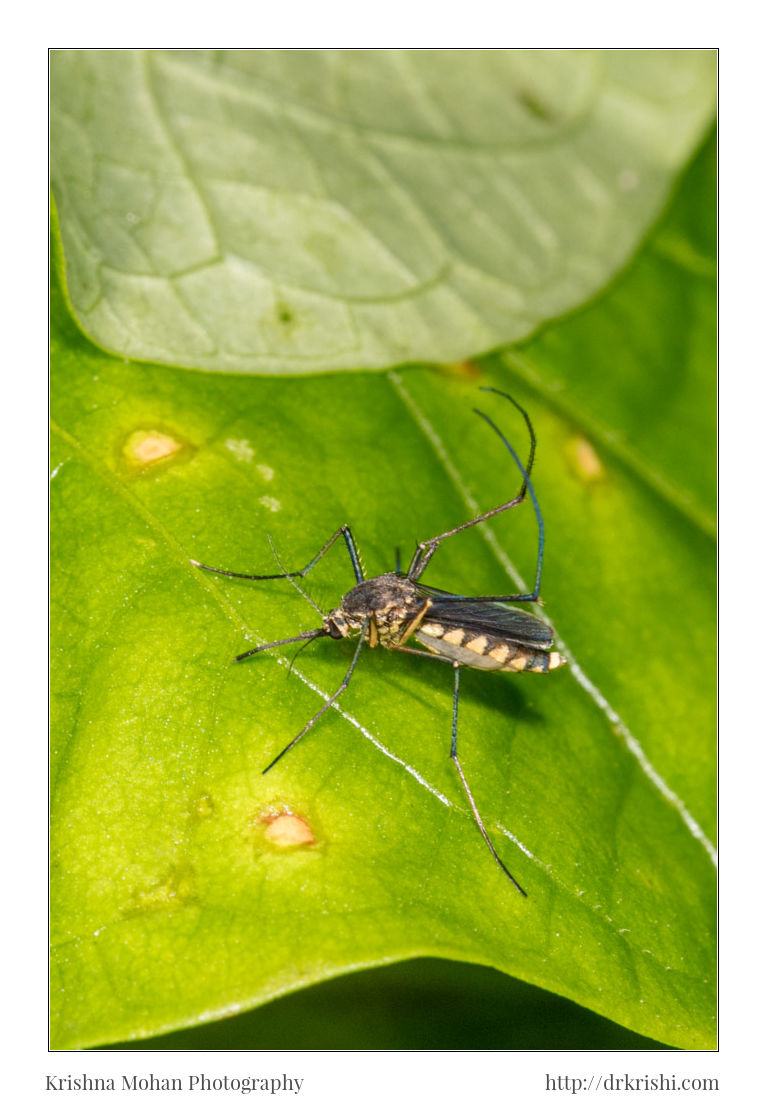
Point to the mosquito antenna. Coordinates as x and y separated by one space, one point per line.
292 580
527 484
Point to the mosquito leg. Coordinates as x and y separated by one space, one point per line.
527 486
351 547
467 791
293 582
313 634
331 700
496 597
425 550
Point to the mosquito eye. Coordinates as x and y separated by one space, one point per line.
336 630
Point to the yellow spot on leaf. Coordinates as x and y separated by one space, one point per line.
202 807
287 830
176 890
585 461
144 447
149 448
464 370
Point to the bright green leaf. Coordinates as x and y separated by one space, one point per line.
640 384
417 1004
295 211
170 904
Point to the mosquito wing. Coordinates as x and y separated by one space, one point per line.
490 617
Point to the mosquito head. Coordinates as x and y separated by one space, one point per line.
340 623
336 624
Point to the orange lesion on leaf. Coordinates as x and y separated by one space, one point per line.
149 447
285 829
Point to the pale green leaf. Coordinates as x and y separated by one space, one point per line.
295 211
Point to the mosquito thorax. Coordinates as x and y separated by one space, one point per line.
380 595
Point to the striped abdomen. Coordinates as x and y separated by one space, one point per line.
486 652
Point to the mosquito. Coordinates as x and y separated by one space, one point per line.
391 609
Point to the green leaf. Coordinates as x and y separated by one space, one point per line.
418 1004
170 903
295 211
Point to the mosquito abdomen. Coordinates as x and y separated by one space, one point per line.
476 649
